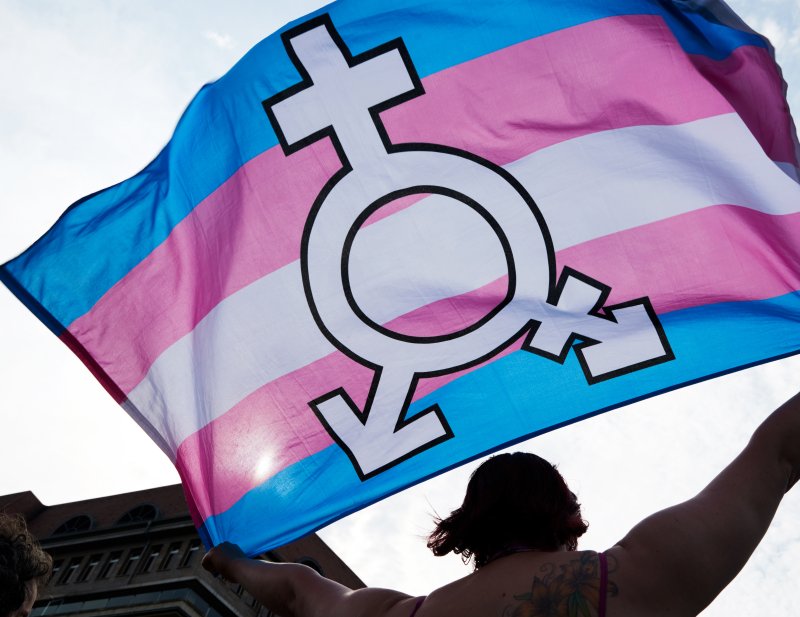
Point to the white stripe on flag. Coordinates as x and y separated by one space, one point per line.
586 188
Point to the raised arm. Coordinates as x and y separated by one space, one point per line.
677 561
295 590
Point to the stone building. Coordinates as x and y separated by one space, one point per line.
138 554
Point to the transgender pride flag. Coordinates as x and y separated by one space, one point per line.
398 236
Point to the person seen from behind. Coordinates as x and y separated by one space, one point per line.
519 524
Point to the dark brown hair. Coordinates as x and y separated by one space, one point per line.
513 501
22 561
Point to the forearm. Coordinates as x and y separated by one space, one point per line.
274 585
283 588
286 589
779 435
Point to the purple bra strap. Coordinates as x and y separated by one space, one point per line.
417 605
601 604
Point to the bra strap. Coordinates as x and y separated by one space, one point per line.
601 604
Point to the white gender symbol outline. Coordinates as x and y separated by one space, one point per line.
340 97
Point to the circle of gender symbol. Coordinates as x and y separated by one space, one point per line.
350 198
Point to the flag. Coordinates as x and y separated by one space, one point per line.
396 237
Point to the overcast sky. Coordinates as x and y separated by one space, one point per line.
91 92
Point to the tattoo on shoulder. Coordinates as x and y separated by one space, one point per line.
569 589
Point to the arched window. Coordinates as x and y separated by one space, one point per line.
82 522
139 514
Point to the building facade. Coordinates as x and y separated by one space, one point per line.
138 554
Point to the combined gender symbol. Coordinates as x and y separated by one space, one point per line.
340 97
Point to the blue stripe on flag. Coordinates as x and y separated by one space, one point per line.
225 126
708 341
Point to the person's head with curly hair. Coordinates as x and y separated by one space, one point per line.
23 566
514 502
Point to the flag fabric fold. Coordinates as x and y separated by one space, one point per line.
395 238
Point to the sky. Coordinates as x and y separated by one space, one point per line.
91 93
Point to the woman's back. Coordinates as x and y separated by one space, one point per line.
527 584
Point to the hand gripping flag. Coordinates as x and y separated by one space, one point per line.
397 236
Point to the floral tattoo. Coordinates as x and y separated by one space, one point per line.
569 590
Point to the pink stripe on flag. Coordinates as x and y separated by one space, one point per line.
266 432
611 73
718 254
452 314
621 72
749 79
247 228
274 427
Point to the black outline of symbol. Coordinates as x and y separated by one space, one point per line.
402 421
602 312
531 325
415 190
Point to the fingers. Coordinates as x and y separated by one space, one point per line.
219 559
208 561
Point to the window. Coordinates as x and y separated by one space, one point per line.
190 552
150 558
108 566
69 572
130 563
89 568
172 553
50 607
94 605
74 525
139 514
173 594
56 569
